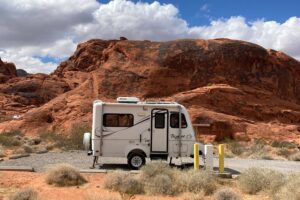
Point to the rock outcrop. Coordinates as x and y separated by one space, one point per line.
7 71
240 89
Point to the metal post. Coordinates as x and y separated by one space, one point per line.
221 157
209 159
196 156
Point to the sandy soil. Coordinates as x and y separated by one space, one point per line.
10 182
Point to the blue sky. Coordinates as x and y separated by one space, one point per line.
37 35
201 12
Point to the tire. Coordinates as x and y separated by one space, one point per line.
136 160
87 141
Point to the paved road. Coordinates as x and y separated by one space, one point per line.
79 159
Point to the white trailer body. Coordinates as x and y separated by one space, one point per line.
134 129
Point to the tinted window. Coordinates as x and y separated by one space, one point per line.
174 120
160 120
118 120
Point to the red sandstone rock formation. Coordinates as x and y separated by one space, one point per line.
240 89
7 71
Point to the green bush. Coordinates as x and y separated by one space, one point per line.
254 180
25 194
64 175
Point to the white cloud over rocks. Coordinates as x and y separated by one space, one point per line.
30 29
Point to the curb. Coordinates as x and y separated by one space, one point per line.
17 168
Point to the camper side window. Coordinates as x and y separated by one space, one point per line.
174 120
159 120
117 120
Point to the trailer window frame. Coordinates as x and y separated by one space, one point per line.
184 123
119 123
161 124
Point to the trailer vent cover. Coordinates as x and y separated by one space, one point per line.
128 100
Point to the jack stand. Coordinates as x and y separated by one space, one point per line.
170 162
95 162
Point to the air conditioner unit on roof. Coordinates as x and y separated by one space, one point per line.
128 100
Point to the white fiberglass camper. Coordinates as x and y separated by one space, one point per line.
139 130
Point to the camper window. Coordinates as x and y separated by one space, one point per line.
174 120
117 120
160 120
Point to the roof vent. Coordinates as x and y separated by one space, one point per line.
128 100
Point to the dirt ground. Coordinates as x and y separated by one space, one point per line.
11 182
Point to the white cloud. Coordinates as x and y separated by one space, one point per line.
135 21
269 34
29 63
35 28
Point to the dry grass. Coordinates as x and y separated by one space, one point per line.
2 152
160 178
198 181
25 194
70 141
290 189
64 175
254 180
9 139
226 194
124 182
283 144
237 148
295 157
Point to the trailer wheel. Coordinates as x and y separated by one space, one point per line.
136 160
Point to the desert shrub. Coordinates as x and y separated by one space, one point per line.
76 136
156 168
198 181
160 178
266 156
25 194
192 196
254 180
283 144
9 139
27 149
73 140
162 184
226 194
124 182
295 156
283 152
64 175
289 190
2 151
237 148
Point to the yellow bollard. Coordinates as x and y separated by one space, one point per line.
221 157
196 156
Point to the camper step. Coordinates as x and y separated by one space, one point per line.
161 156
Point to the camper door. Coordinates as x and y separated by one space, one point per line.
159 130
